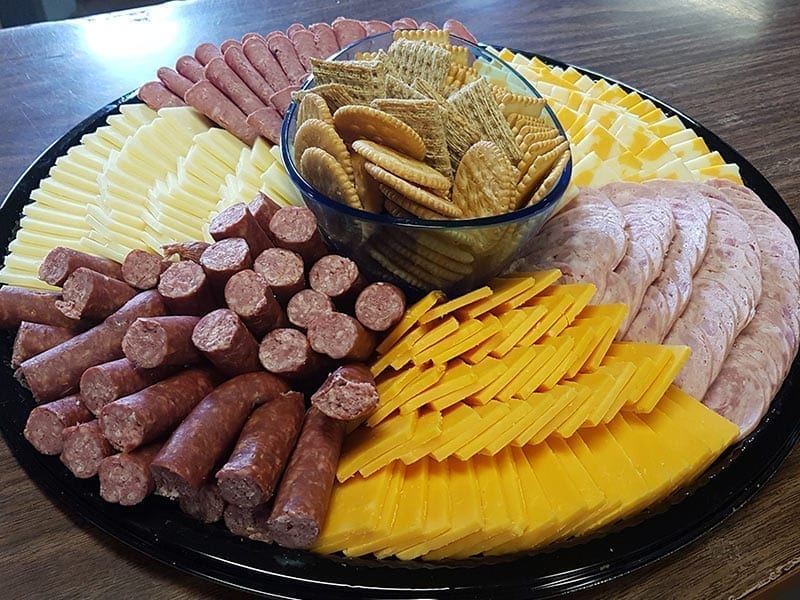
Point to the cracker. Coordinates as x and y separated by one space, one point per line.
476 102
534 150
364 122
414 193
366 187
528 135
551 179
325 173
537 172
366 79
441 245
319 134
403 264
424 116
458 76
433 36
530 106
408 60
400 206
415 262
313 106
335 95
394 270
431 259
404 167
395 88
484 184
517 121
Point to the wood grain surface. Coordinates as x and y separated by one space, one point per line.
734 66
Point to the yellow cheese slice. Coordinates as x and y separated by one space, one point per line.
542 281
716 430
582 395
515 362
354 510
502 433
410 318
545 406
417 381
504 289
601 385
365 445
383 525
400 351
490 414
428 427
556 307
535 378
456 345
531 316
409 517
587 336
457 375
615 313
678 355
458 423
438 516
451 306
490 369
509 321
621 372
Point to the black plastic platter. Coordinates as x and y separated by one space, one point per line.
159 530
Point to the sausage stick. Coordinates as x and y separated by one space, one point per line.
35 338
60 262
125 477
112 380
224 340
91 295
46 423
84 449
152 342
348 393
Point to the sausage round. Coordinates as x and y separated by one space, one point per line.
205 505
262 207
223 259
224 339
237 222
109 381
84 449
249 296
287 352
57 372
46 423
295 228
251 474
283 270
60 262
338 277
305 490
341 336
35 338
151 413
152 342
306 305
248 522
200 441
91 295
125 477
186 289
348 393
35 306
142 269
380 306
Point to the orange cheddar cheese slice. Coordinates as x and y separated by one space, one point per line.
489 325
716 429
465 507
601 384
383 526
431 334
504 289
655 356
615 314
581 295
427 428
466 329
409 517
555 306
490 414
531 315
490 369
366 444
542 280
539 373
515 362
591 332
502 433
458 423
539 355
451 306
582 395
678 355
354 511
622 373
412 382
589 490
457 374
410 318
539 522
545 405
509 322
399 354
582 340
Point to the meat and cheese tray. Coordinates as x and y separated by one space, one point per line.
440 319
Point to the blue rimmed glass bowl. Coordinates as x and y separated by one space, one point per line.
454 255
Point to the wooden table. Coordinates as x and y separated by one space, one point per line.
733 66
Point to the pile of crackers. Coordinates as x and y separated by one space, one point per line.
415 131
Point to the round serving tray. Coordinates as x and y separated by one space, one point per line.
159 530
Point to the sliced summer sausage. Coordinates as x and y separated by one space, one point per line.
156 95
91 295
287 352
295 228
60 262
125 477
152 413
205 505
348 393
36 306
262 207
177 83
306 305
57 372
224 340
152 342
223 259
247 522
305 490
35 338
186 289
338 277
84 449
112 380
237 221
380 306
46 423
340 336
188 458
283 270
251 474
249 296
142 269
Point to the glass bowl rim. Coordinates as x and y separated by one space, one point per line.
307 190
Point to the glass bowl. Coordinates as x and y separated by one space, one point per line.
453 255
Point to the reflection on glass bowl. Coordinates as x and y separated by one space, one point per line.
454 255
